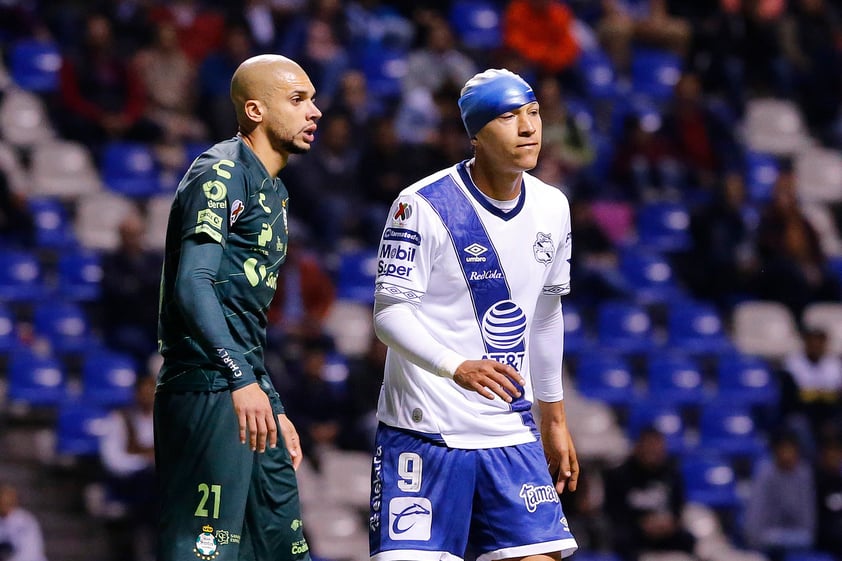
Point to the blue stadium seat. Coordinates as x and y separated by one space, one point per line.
648 276
746 380
655 73
476 23
696 328
35 380
52 228
761 172
665 417
384 69
624 327
8 330
576 338
809 556
20 277
606 377
79 275
598 75
664 226
79 426
675 379
710 480
357 270
65 326
131 169
35 65
729 430
108 378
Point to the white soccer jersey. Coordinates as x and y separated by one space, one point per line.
475 274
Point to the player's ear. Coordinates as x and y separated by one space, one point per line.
254 110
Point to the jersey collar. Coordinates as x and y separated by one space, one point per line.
462 169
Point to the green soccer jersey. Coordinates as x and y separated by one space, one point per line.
227 196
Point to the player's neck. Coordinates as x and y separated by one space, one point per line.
500 185
271 159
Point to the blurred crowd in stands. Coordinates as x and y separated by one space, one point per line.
698 142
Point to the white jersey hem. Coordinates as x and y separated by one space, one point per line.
566 546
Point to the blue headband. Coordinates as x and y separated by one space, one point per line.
490 94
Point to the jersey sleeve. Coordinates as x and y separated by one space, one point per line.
212 200
558 281
407 251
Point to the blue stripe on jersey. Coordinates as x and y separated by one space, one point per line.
501 321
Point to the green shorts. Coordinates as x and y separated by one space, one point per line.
219 500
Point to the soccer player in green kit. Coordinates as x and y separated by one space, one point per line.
228 489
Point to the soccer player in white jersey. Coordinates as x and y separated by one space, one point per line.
472 265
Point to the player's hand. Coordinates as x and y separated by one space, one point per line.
561 455
293 443
489 378
255 416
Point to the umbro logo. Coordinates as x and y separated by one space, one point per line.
476 249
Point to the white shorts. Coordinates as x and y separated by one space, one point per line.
431 503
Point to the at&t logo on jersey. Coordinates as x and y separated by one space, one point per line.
410 518
533 496
395 260
504 328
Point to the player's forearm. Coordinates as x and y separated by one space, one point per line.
396 325
203 313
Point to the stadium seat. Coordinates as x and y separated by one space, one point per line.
108 378
729 430
98 217
745 380
764 328
827 316
665 417
624 327
35 380
79 426
606 377
8 330
64 169
65 326
818 173
24 121
710 480
52 227
676 379
696 328
476 23
576 338
357 270
648 276
664 226
809 556
384 69
775 126
761 172
20 277
655 73
79 275
131 169
598 76
35 65
820 216
349 322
